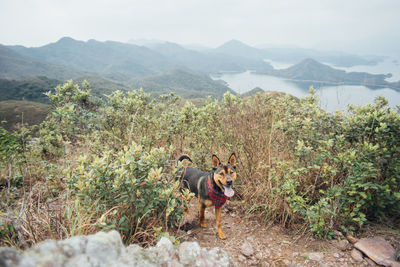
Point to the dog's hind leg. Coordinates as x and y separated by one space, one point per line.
218 221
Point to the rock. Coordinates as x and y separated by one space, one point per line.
351 239
356 255
106 249
338 234
336 255
315 256
247 249
295 254
259 256
370 262
343 245
377 249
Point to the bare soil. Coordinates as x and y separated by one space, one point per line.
272 245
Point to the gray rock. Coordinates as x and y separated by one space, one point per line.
106 249
377 249
356 255
9 256
316 256
247 249
189 252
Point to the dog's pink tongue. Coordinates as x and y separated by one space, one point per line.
228 191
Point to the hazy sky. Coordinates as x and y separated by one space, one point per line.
357 25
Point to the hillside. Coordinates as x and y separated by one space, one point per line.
15 112
16 66
100 57
294 55
32 89
312 70
186 84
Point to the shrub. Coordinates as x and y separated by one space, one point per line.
131 190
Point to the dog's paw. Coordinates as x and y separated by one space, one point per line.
221 235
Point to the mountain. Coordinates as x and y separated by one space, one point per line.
100 57
253 92
16 66
239 49
183 83
312 70
208 61
294 54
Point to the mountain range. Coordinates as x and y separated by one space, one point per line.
163 66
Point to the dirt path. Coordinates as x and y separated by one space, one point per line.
250 244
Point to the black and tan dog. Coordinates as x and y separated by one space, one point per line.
211 188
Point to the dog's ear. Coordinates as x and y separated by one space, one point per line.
215 162
232 160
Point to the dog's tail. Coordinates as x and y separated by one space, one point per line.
183 157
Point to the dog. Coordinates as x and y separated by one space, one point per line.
211 188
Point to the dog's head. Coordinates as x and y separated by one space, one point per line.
225 174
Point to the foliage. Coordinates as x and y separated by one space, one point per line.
132 190
110 164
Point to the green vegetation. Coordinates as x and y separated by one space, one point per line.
186 84
111 164
32 89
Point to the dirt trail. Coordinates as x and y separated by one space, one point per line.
264 246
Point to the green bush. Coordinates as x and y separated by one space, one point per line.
131 191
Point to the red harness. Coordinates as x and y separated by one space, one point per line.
218 199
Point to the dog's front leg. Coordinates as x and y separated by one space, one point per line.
218 220
202 209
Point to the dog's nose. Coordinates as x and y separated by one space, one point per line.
229 182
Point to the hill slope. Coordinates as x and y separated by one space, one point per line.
16 66
100 57
311 70
183 83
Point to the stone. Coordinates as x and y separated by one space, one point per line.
356 255
377 249
247 249
336 255
295 254
9 256
188 252
343 245
316 256
370 262
106 249
259 256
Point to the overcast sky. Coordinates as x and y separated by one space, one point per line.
354 25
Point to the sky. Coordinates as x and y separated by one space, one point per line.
364 26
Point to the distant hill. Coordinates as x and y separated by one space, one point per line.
16 66
252 92
15 112
312 70
100 57
237 48
183 83
294 55
32 89
210 61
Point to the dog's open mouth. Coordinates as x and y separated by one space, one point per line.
228 191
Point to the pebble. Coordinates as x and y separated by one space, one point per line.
336 255
356 255
247 249
315 256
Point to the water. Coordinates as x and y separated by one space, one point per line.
331 98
